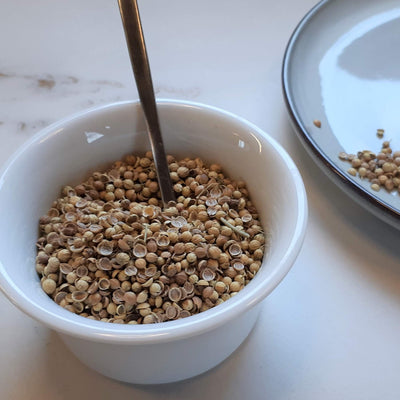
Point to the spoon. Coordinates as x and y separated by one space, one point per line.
141 69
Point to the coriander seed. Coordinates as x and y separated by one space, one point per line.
49 286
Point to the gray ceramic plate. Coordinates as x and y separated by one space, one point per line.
342 67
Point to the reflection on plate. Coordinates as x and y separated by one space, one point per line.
342 67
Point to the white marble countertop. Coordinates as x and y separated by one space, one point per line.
331 328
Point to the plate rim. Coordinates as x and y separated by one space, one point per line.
391 214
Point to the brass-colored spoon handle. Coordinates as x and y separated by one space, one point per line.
141 69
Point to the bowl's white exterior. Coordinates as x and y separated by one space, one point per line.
66 152
165 361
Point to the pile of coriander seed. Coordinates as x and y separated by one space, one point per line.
382 169
108 250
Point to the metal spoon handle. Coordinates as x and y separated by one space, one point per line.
141 69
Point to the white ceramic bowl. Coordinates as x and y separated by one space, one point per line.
67 151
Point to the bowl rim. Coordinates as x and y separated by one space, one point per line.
73 325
